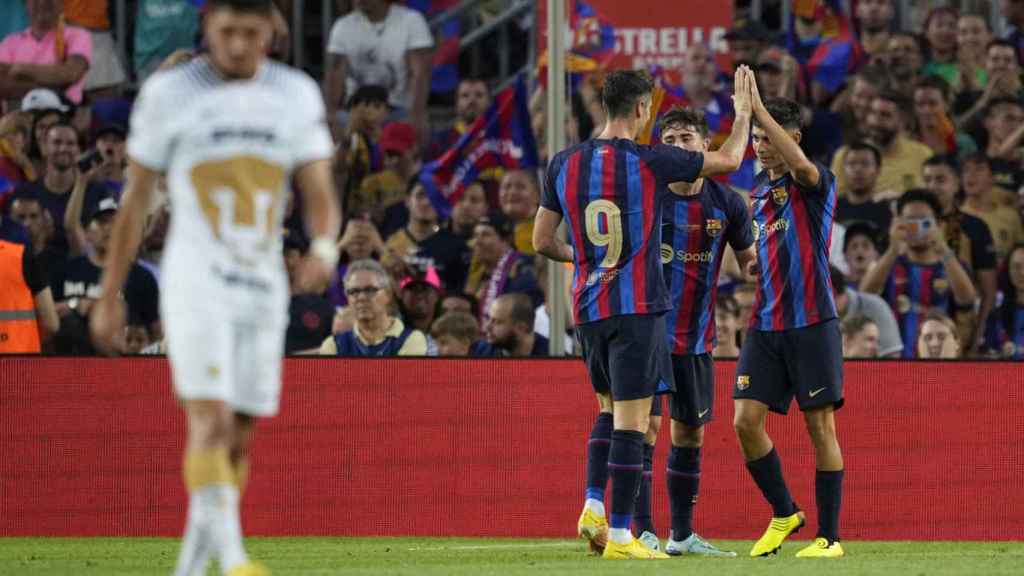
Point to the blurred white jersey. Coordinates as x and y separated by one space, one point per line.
229 149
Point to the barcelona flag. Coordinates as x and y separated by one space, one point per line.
592 47
445 60
502 138
830 58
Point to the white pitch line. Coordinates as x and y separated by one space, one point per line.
496 546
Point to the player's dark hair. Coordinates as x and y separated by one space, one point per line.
919 195
784 111
623 89
368 94
684 117
861 228
861 146
978 158
264 7
523 311
947 160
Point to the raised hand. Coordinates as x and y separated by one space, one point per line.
741 100
756 103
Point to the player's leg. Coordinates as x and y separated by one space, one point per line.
625 463
692 406
643 522
763 383
241 439
593 524
816 360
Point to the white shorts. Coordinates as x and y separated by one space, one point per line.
229 360
105 70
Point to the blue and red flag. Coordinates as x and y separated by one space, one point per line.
592 47
828 59
503 137
445 66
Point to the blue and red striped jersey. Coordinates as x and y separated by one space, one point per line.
695 230
611 194
793 230
911 291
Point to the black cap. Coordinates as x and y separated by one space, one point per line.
105 205
752 30
108 129
501 224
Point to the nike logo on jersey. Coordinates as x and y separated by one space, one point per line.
814 393
701 414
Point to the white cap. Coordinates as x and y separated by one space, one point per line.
42 99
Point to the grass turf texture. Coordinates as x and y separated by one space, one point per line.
429 556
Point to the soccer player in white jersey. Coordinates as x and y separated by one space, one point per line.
231 130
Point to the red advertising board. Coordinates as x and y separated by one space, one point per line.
92 447
654 32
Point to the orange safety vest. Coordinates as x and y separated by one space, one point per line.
19 332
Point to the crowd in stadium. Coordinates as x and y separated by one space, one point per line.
923 129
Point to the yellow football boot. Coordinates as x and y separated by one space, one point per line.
249 569
632 551
821 548
777 532
593 528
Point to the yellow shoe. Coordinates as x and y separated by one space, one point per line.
249 569
777 532
820 548
632 551
593 528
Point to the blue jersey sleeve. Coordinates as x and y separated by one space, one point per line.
826 183
549 195
671 164
739 233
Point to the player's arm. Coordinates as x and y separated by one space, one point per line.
729 155
803 170
545 240
322 217
107 318
747 259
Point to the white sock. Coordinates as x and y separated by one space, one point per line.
620 535
219 503
195 546
595 506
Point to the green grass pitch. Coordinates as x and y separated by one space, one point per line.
462 556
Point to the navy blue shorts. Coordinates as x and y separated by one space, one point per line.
694 399
627 355
803 362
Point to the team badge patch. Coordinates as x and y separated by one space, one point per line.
713 226
742 382
780 195
940 285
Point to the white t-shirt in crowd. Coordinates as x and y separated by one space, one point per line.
376 51
542 326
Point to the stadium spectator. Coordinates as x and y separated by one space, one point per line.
460 303
456 334
777 73
419 296
381 43
933 124
471 207
380 195
746 42
162 28
902 156
106 73
502 270
938 339
47 54
53 188
854 104
1014 14
28 212
980 200
136 339
110 144
745 295
1004 128
376 332
361 241
77 287
423 243
1002 67
519 197
1006 333
310 315
508 325
904 58
542 319
860 337
727 326
368 112
918 273
875 21
862 165
47 110
973 33
969 238
940 31
851 303
860 249
15 165
28 317
472 98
